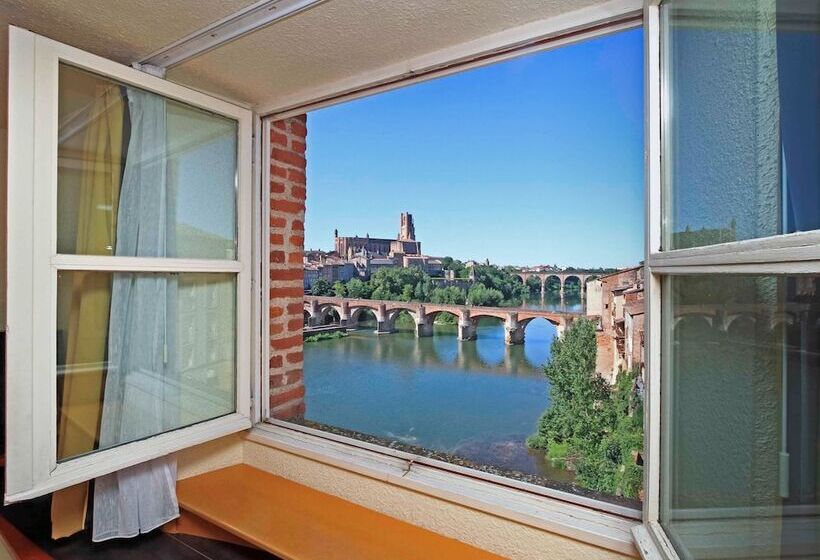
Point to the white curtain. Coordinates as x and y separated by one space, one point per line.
142 386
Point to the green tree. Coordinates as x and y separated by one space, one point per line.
458 267
592 429
481 295
339 289
358 289
321 287
400 284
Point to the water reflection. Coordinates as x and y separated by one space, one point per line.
571 303
479 400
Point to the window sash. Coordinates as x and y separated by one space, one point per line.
32 468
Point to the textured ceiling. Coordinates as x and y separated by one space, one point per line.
343 38
122 30
335 40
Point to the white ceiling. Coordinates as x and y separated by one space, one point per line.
343 38
330 42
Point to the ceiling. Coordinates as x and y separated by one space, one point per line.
327 43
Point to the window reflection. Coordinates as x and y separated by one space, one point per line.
743 122
740 466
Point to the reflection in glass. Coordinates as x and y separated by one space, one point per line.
742 125
741 462
127 154
139 354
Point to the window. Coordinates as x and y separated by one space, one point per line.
734 470
433 308
135 316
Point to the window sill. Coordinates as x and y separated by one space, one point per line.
550 514
652 543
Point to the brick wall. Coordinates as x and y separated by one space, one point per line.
287 241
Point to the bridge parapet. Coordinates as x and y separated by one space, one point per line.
515 319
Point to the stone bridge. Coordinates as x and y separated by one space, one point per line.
562 277
349 310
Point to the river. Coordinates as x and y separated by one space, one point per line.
478 400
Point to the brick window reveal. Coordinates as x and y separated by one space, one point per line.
286 245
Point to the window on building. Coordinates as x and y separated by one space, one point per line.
740 462
447 252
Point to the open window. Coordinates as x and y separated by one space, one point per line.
129 317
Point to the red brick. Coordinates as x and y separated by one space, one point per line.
287 274
280 125
278 171
298 192
294 357
297 146
285 343
275 361
296 258
275 312
276 329
286 292
297 240
277 188
295 308
277 257
277 222
296 324
279 399
278 138
298 225
277 239
285 156
287 206
297 176
298 128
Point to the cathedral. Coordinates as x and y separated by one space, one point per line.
404 244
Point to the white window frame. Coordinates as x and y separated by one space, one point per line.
784 255
602 523
31 465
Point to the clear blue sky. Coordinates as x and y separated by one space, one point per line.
537 160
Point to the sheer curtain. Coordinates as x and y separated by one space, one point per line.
142 386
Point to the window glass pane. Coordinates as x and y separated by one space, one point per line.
741 462
743 122
139 354
142 175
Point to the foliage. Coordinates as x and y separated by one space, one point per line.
502 280
325 336
448 295
480 294
458 267
339 289
321 287
400 284
594 429
358 289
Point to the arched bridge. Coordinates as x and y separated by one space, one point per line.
349 310
545 276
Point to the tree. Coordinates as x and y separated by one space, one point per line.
321 287
481 295
400 284
590 428
358 289
339 289
458 267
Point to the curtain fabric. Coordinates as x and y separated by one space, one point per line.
80 405
141 388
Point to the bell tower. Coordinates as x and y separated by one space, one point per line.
408 230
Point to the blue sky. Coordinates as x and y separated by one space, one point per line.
537 160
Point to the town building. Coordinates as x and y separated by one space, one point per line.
405 242
618 299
